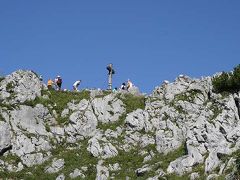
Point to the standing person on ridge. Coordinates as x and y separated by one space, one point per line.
110 73
123 86
58 81
76 84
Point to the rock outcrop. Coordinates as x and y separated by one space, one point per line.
182 129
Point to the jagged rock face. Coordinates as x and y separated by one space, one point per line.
83 121
182 84
20 86
103 136
30 119
104 149
108 108
5 136
29 138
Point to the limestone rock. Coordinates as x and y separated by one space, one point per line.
20 86
82 121
76 173
33 159
181 165
185 113
194 176
102 171
56 166
104 149
108 109
138 120
30 119
60 177
5 137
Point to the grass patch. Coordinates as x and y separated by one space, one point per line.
61 98
166 159
10 158
58 100
132 102
8 106
177 177
128 161
187 96
199 168
132 160
35 172
9 87
74 158
1 118
112 125
216 111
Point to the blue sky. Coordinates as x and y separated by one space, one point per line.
147 41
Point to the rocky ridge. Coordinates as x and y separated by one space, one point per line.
183 129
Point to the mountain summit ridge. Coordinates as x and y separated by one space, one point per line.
181 130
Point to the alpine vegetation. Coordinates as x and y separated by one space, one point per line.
186 129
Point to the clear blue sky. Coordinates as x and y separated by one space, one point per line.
147 41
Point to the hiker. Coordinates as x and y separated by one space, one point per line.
58 81
40 78
115 90
110 73
110 69
129 84
123 86
50 84
76 84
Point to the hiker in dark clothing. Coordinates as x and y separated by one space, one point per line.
58 81
123 86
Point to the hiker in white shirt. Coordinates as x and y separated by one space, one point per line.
76 84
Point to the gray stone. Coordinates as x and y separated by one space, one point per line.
5 137
109 151
76 173
108 109
147 140
138 120
82 121
181 165
212 177
167 141
143 170
14 168
60 177
135 91
33 159
94 147
114 167
56 166
104 150
20 86
194 176
30 119
102 171
211 162
57 130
